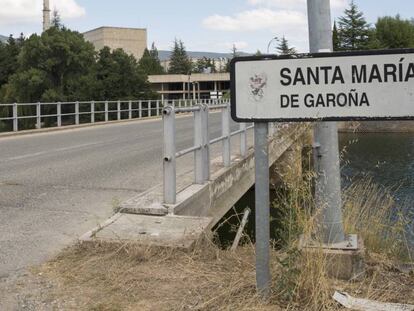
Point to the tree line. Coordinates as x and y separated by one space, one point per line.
352 32
59 65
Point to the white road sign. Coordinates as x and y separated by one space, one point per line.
328 86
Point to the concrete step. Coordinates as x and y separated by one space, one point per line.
154 209
168 231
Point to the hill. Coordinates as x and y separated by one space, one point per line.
3 38
165 55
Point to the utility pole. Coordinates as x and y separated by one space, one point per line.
326 148
46 15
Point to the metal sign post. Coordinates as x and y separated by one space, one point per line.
261 161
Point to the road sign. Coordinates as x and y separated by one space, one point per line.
365 85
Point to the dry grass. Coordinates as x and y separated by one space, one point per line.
131 277
109 277
370 210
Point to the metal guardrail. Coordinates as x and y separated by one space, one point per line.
74 113
201 147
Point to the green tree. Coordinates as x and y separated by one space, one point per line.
150 62
204 65
118 76
60 57
335 38
9 53
394 32
353 30
56 20
180 63
283 47
234 53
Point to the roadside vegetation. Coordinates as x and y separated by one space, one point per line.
132 277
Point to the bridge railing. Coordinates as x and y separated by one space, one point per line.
21 116
201 146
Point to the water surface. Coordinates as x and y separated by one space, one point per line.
386 157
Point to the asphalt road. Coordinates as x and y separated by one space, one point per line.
55 186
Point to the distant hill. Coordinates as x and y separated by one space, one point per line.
3 38
165 55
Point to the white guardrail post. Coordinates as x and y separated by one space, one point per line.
140 109
59 114
93 111
130 109
225 127
243 140
118 109
15 118
106 111
198 143
38 116
206 142
77 113
169 161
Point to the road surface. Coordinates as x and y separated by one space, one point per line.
56 186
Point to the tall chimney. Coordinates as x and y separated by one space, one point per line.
46 15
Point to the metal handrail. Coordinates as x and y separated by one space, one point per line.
201 146
133 108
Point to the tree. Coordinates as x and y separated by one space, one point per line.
394 32
9 53
150 62
55 62
204 65
283 47
118 76
353 29
56 20
234 53
180 63
335 38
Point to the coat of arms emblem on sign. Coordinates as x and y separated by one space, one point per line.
257 85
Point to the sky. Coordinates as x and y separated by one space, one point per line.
209 25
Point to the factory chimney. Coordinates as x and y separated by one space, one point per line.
46 15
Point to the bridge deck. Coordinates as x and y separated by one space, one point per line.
203 205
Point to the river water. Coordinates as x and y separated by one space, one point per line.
386 157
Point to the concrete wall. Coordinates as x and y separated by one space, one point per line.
228 185
131 40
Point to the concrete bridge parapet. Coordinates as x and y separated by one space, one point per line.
199 207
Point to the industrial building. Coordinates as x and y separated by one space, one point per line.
193 86
132 40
